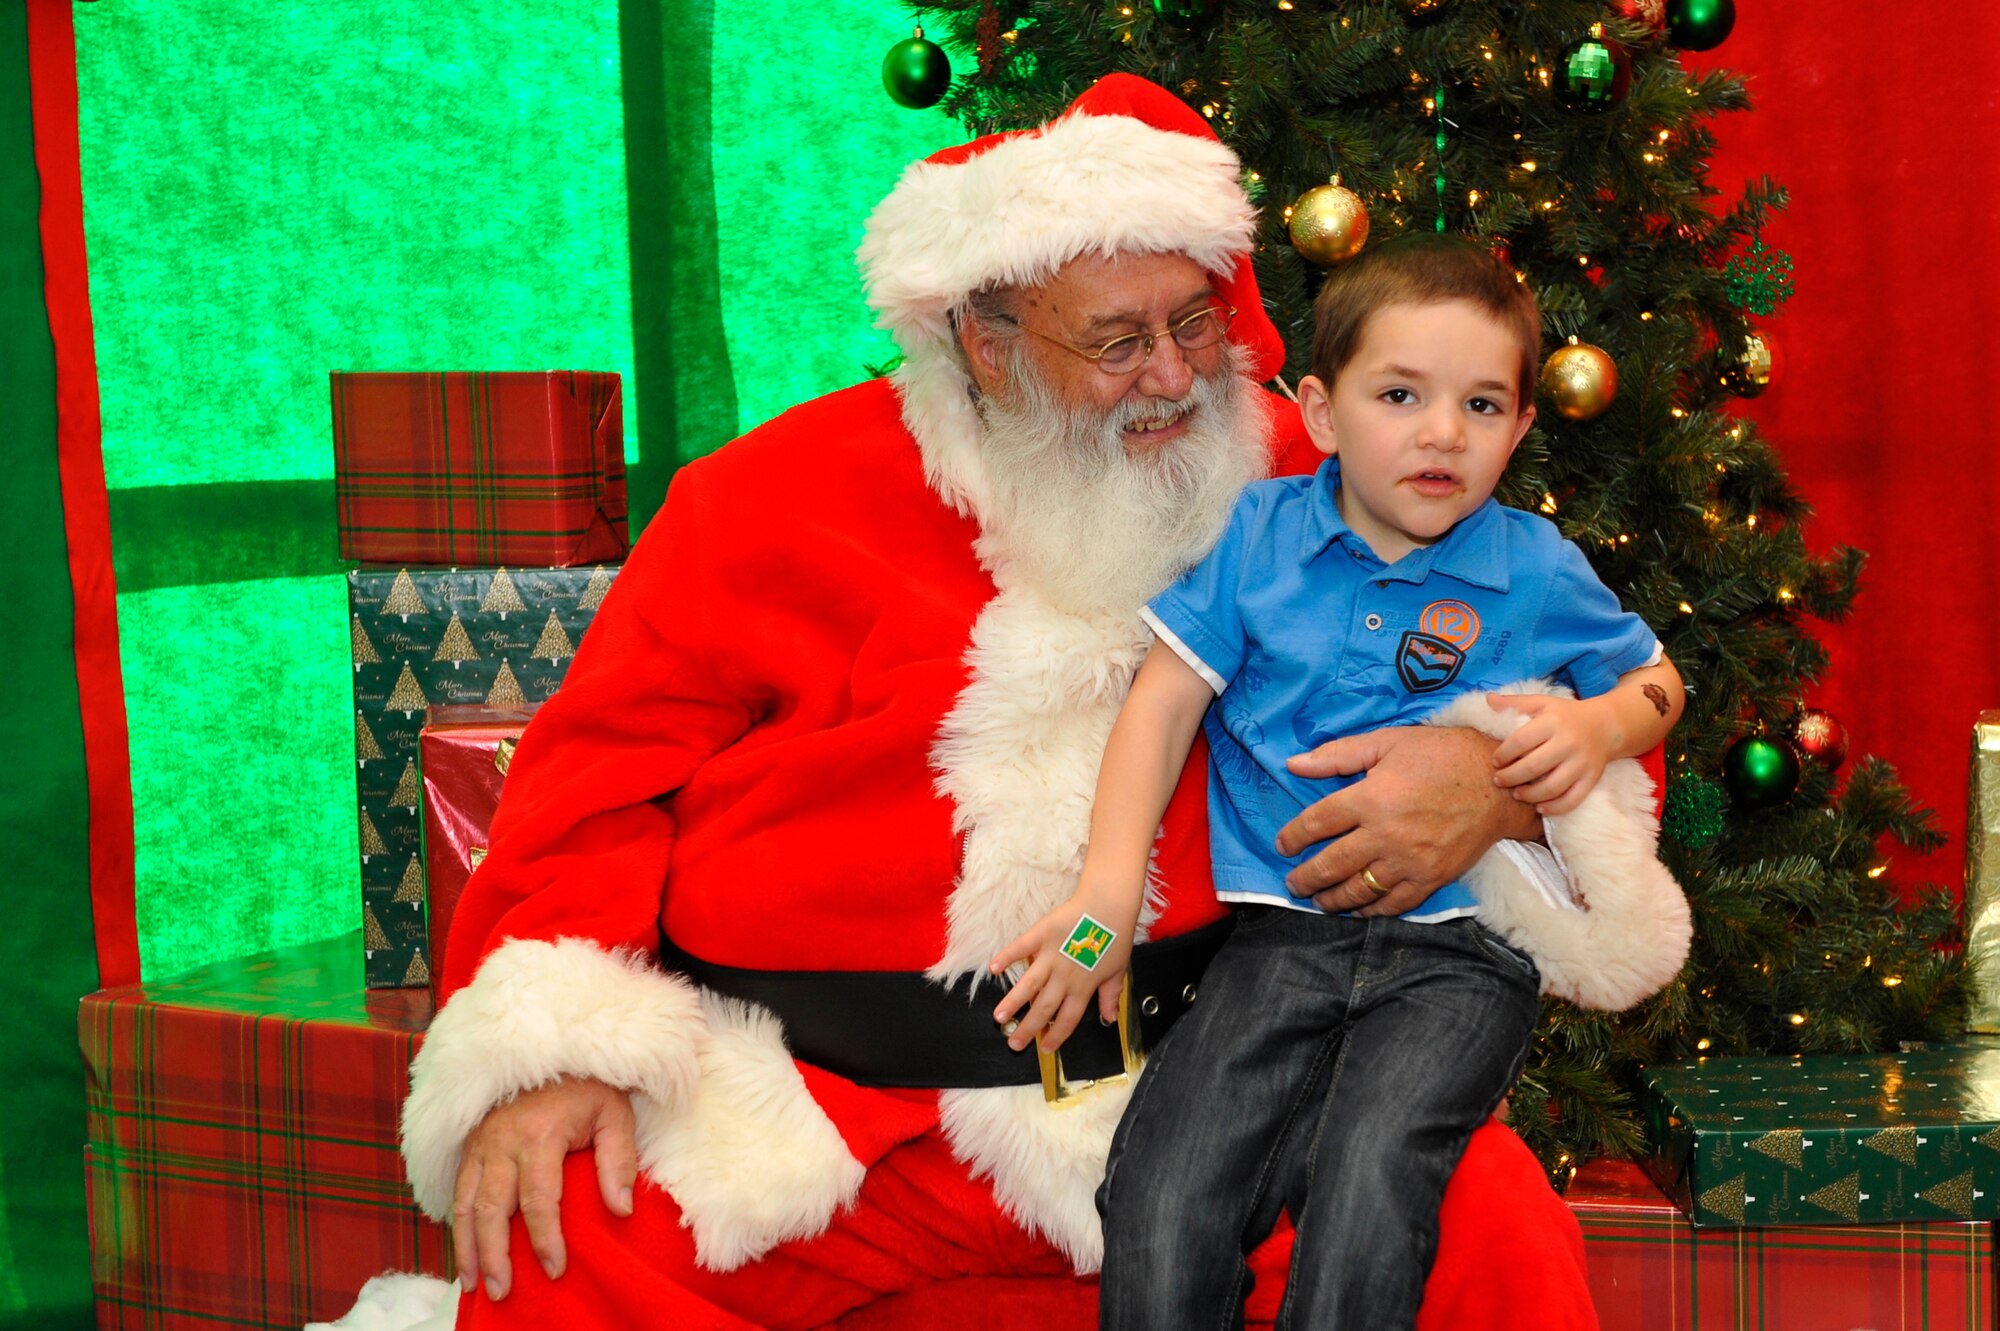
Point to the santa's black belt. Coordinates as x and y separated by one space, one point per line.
898 1028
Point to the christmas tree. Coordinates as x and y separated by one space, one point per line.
1569 139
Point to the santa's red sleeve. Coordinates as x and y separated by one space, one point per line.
547 972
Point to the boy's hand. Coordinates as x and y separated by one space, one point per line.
1558 754
1057 987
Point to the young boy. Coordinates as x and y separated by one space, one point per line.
1336 1065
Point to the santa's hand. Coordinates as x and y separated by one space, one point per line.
513 1162
1426 810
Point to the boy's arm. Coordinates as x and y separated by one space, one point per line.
1142 763
1556 757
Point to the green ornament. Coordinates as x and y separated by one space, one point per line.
1594 72
1699 25
916 72
1187 13
1693 814
1758 281
1760 772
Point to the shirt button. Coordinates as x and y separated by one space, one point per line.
1373 622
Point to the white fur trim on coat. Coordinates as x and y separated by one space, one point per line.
1018 757
752 1160
1632 938
399 1303
536 1012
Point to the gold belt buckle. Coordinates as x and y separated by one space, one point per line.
1059 1090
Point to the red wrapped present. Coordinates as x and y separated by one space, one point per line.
485 469
463 754
241 1159
1650 1269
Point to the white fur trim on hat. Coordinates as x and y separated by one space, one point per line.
1018 211
1633 938
536 1012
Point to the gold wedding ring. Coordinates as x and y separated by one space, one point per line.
1368 877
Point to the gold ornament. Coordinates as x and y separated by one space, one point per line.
1750 373
1581 380
1329 224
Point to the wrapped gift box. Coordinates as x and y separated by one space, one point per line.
1650 1270
1829 1140
480 468
463 755
422 638
1982 873
241 1158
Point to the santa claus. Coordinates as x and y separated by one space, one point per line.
716 1048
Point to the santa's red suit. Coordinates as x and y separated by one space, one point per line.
822 725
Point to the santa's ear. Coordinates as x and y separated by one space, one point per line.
983 351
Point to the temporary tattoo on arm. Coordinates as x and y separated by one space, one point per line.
1656 696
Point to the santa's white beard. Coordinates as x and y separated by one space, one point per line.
1094 526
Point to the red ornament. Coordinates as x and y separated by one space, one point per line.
1818 734
1650 14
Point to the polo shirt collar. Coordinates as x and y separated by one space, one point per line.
1475 552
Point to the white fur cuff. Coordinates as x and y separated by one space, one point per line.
1632 936
535 1012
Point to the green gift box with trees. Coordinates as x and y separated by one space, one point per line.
1832 1140
428 637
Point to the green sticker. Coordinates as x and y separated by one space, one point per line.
1087 943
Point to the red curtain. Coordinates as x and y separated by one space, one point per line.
1882 125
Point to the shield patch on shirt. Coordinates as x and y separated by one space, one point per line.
1427 662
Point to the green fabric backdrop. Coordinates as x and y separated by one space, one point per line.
673 191
46 955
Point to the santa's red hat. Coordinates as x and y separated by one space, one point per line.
1128 168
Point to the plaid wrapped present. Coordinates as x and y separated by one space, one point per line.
423 638
463 754
1832 1139
1650 1270
467 468
241 1156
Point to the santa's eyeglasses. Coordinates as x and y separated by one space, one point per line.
1125 355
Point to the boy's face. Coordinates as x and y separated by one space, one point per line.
1423 416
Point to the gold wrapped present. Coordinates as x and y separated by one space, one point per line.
1982 872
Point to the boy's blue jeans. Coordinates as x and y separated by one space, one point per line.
1332 1066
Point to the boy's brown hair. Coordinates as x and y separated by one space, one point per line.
1421 268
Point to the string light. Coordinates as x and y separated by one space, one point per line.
1702 1043
1891 981
1686 609
1751 522
1785 594
1548 502
1472 198
1528 165
1011 35
1645 316
1797 1019
1878 870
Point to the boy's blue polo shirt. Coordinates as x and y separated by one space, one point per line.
1306 636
